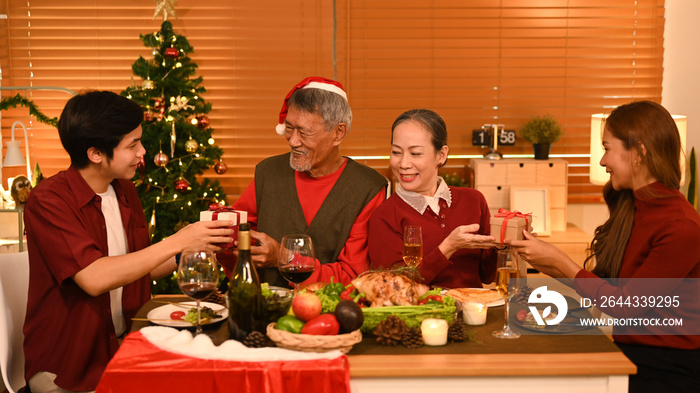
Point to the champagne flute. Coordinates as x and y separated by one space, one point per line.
198 276
507 285
412 245
297 260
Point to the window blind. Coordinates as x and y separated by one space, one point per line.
474 62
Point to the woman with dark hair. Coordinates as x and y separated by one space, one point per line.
652 232
454 220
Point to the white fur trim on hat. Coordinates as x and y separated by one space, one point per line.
312 82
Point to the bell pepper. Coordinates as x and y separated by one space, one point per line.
290 323
333 290
347 293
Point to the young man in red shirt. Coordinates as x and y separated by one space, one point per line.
90 256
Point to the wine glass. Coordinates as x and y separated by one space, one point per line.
412 245
507 285
297 260
198 276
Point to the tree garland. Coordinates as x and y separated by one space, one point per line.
33 110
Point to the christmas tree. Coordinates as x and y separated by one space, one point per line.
177 139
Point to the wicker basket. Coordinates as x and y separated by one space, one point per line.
313 343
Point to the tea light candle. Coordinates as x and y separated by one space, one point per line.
474 313
434 331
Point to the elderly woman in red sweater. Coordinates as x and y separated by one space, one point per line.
652 233
457 248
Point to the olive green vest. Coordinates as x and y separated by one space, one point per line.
280 212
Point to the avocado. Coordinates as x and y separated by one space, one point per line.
349 316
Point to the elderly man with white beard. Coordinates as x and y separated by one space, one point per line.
313 189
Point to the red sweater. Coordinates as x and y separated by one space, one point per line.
664 243
466 267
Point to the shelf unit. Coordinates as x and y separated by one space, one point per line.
20 230
495 178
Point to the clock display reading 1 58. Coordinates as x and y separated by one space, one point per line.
483 138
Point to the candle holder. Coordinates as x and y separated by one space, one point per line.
434 332
474 313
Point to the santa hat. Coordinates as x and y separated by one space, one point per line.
312 82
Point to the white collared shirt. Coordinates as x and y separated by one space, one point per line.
420 202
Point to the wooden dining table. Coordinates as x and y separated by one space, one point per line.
587 361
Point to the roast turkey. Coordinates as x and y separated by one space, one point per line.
389 289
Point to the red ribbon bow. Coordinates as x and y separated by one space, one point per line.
507 215
222 209
215 216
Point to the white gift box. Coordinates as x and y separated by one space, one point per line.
236 216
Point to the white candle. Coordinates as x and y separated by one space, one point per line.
474 313
434 331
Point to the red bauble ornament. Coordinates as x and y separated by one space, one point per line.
172 53
220 167
202 121
182 185
161 159
215 205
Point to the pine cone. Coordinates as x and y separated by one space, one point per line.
390 331
255 340
457 332
413 338
522 295
215 297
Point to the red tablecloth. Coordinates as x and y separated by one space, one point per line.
140 366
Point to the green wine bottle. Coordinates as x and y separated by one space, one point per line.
244 293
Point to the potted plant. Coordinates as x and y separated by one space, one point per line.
541 131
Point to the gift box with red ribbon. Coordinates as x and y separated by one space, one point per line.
225 213
507 225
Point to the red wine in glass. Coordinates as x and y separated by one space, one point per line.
297 274
198 291
197 276
297 260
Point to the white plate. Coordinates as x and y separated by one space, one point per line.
494 303
161 315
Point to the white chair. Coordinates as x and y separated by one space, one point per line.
14 285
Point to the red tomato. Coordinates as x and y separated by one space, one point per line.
521 315
322 325
177 315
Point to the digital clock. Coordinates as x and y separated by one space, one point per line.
485 138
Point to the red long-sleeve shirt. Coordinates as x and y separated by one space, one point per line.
664 244
465 268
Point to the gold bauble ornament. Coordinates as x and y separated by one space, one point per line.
148 84
191 145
